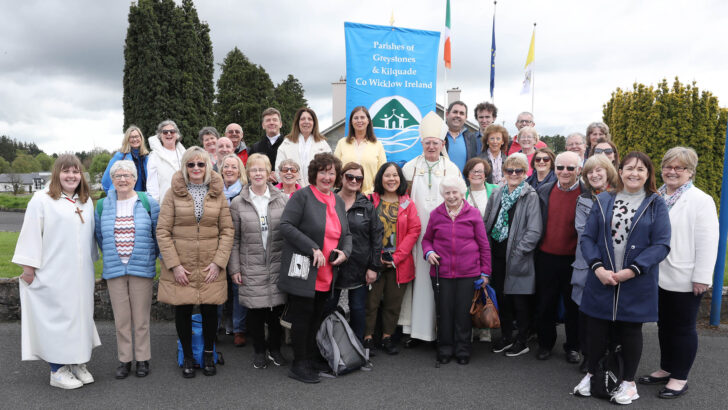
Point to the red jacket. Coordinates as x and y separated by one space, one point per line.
408 231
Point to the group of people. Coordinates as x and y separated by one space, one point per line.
280 229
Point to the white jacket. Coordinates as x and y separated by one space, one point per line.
693 243
162 164
289 150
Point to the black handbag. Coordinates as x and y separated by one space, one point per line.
610 375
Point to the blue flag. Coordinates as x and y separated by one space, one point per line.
492 60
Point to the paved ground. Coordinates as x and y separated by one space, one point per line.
11 221
409 380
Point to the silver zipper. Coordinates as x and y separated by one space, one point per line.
609 256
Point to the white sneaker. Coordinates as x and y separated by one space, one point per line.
81 373
485 335
626 393
64 379
583 389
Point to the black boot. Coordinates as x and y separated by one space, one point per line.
300 371
208 361
188 368
123 370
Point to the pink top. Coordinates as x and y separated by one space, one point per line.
332 233
280 186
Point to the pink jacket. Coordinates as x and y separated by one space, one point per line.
462 244
408 231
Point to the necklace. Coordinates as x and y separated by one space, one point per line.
78 210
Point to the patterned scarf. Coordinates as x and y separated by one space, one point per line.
232 191
500 229
672 199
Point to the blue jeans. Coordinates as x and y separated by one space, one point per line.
239 312
357 308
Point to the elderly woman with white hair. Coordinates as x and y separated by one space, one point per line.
686 273
164 160
456 241
513 222
528 138
125 227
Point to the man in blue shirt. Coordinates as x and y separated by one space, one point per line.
460 144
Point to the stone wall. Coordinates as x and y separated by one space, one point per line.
10 303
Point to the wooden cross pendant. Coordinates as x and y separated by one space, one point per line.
78 211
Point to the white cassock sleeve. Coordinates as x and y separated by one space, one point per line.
29 249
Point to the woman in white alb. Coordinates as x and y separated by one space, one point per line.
164 160
303 143
56 249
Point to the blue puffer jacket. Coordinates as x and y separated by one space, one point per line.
144 255
648 243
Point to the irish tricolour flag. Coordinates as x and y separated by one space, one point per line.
447 56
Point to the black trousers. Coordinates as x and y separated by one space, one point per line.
678 312
306 315
183 323
510 307
256 321
553 284
627 334
455 327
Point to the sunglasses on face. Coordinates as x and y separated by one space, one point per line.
352 178
199 164
568 168
603 151
288 169
516 171
542 159
165 132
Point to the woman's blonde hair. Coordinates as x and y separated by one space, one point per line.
600 160
126 147
189 155
221 165
258 157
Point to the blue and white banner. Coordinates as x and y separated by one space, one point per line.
393 72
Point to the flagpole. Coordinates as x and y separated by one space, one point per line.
492 58
533 77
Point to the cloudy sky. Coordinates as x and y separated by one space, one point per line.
61 62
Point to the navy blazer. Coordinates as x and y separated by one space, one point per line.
648 243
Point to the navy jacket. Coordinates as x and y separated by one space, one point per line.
648 243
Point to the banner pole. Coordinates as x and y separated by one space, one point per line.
533 76
719 271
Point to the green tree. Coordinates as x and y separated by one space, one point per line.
45 161
288 97
98 165
244 90
653 119
4 166
168 70
25 163
557 142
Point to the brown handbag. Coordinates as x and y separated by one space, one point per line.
484 315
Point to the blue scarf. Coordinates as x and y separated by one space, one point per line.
232 191
141 184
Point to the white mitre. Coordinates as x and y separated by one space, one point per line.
432 127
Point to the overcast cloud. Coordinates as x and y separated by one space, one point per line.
61 62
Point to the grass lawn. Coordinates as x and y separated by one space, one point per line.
9 269
14 202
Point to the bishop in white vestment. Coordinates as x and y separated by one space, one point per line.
424 173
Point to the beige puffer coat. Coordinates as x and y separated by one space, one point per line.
182 240
259 267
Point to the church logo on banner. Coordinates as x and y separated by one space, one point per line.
392 71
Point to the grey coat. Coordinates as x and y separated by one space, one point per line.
303 225
581 268
259 266
523 236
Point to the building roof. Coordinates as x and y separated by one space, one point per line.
25 179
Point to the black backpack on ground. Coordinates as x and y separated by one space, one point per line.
610 375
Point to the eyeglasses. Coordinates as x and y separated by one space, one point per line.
603 151
574 144
165 132
233 132
123 176
192 164
516 171
568 168
289 169
352 178
542 159
477 172
679 170
526 138
524 122
135 137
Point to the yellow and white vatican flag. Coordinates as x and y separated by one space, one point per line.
528 78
